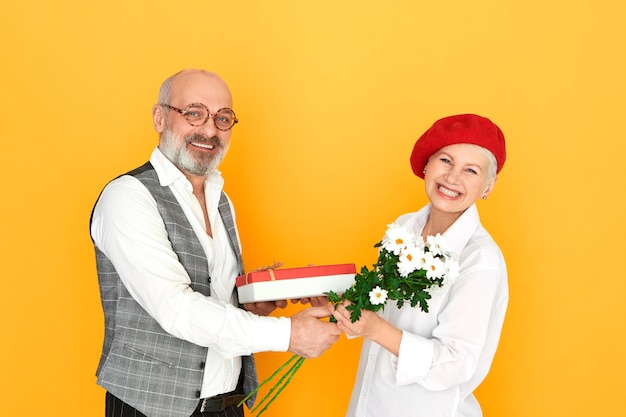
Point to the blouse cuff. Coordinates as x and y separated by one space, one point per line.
414 360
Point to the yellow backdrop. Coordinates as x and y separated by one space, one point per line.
331 96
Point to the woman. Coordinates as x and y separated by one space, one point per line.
428 364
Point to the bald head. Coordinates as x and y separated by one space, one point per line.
190 79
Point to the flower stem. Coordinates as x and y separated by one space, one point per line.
291 373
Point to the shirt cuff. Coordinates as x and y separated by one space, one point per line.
414 359
273 334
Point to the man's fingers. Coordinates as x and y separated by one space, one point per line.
318 312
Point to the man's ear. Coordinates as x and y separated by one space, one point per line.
158 118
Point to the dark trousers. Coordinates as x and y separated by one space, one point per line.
118 408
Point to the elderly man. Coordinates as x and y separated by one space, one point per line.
176 341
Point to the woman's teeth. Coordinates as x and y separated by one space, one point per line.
447 192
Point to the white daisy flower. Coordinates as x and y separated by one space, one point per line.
405 266
397 238
378 296
409 260
423 259
437 245
435 267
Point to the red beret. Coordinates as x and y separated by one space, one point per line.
462 128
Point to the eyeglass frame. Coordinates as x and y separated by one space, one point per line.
184 112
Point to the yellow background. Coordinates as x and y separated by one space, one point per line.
331 96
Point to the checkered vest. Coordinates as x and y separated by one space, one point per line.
141 364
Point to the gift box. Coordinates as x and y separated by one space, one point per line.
293 283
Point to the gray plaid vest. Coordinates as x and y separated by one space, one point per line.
141 364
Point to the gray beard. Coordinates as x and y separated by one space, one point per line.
184 160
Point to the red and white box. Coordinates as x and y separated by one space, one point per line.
294 283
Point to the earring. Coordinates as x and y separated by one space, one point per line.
484 197
424 172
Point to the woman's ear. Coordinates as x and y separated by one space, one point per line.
158 118
489 189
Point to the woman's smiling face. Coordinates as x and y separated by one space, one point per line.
456 176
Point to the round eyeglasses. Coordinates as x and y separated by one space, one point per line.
197 114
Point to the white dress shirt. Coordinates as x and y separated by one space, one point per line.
127 227
445 353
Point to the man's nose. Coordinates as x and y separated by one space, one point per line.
209 127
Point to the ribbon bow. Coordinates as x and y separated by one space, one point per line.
269 268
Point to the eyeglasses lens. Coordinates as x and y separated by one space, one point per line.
224 119
196 115
199 115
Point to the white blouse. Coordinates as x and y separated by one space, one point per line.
445 353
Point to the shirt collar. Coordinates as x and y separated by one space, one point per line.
459 233
462 229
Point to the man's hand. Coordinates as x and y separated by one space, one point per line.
314 301
264 308
310 337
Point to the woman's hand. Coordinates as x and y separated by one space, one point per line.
366 326
370 325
